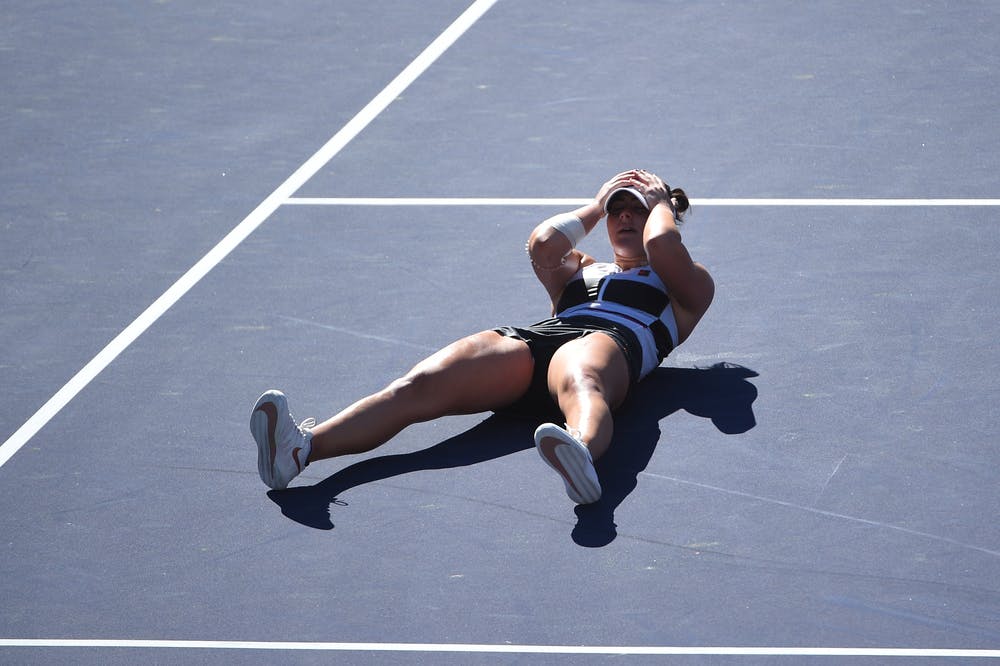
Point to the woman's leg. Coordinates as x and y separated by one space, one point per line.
479 373
589 378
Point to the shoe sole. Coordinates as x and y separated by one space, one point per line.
263 421
571 461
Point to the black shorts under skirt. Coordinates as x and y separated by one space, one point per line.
545 337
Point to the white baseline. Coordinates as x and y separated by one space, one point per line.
471 648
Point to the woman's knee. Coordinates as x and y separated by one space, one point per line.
416 388
576 380
594 368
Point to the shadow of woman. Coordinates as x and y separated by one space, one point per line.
720 393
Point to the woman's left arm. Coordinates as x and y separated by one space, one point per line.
690 285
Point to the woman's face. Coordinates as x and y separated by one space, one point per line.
626 221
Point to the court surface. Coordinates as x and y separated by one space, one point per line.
206 200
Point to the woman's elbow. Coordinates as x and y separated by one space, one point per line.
707 284
548 247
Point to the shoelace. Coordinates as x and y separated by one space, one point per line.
307 424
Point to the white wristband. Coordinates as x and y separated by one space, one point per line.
568 225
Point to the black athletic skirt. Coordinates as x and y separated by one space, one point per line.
545 337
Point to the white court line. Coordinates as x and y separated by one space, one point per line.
263 211
914 203
523 201
506 649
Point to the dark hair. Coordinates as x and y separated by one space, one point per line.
682 205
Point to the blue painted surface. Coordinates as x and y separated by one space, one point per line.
835 486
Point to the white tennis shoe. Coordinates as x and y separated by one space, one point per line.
567 455
282 446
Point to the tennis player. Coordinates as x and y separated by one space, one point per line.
613 323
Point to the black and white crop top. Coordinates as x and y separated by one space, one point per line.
635 298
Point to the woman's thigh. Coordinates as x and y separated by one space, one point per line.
481 372
595 361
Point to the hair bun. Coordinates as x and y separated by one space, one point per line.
680 198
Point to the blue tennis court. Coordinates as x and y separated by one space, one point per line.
203 201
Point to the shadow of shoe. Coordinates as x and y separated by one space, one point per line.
306 505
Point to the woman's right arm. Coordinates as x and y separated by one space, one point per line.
552 244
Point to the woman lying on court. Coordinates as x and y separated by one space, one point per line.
614 323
